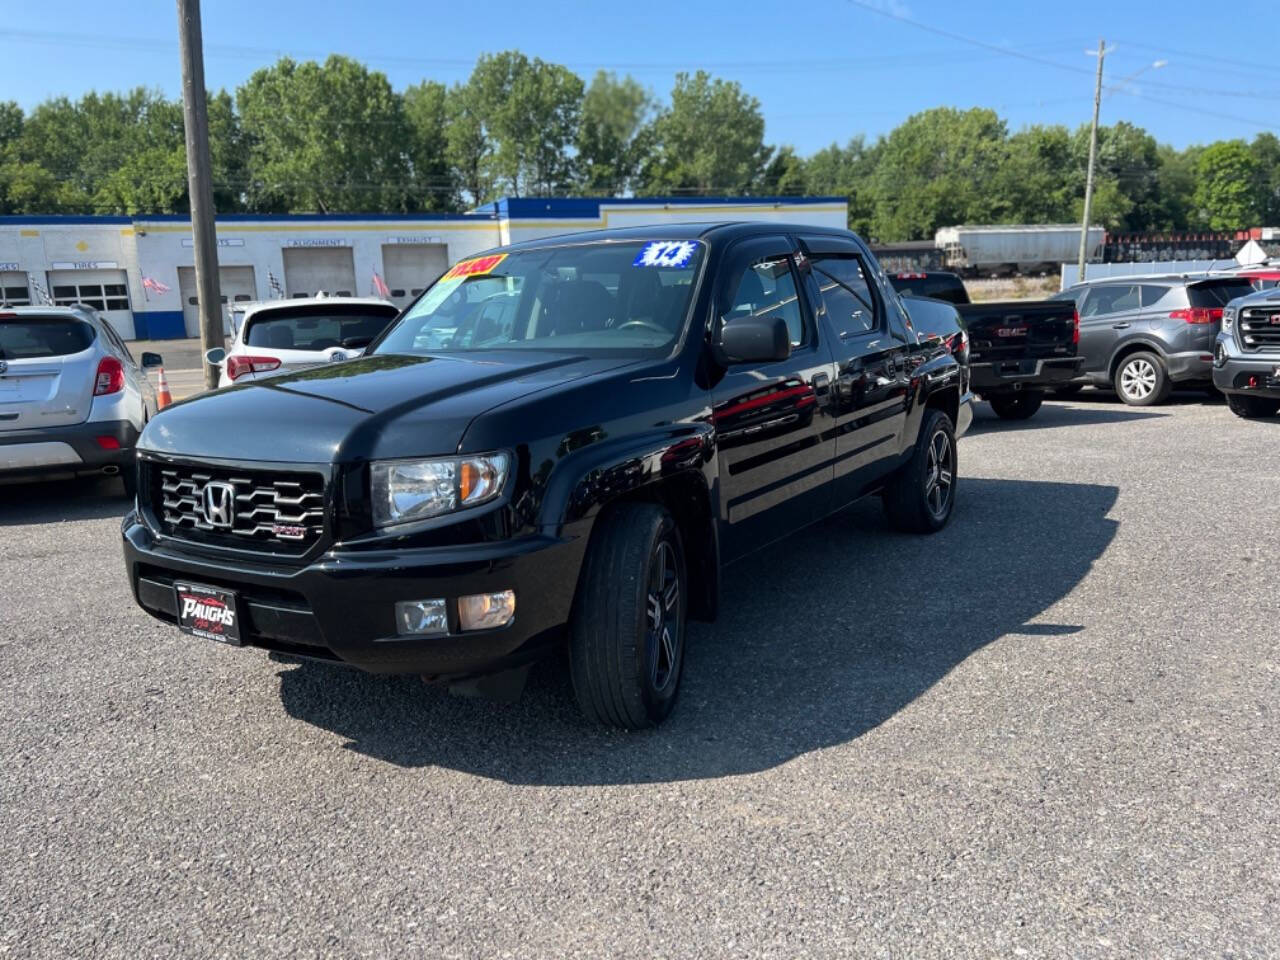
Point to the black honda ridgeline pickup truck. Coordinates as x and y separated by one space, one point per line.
572 432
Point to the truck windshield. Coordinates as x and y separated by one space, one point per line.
628 297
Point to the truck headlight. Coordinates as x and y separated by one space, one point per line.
1228 317
405 491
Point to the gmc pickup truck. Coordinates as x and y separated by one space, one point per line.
561 441
1018 349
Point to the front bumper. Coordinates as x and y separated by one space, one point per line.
341 606
998 376
66 451
1233 371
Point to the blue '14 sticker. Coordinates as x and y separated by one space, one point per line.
673 254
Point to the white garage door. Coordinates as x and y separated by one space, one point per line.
308 271
107 291
237 287
410 267
13 289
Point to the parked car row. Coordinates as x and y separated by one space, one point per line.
1140 336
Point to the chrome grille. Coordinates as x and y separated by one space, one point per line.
1260 328
278 511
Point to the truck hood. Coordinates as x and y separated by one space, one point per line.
378 407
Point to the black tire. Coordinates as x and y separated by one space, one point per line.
1068 390
1017 406
624 674
1252 408
1142 381
919 498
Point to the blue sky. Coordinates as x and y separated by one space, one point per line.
823 70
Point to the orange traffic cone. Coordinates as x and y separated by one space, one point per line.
163 396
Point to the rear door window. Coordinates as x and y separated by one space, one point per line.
1218 293
33 338
311 329
1111 298
846 293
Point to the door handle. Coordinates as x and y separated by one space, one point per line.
1120 326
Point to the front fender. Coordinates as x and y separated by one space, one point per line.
585 480
940 373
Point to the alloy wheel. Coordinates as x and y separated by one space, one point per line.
1138 379
663 603
940 470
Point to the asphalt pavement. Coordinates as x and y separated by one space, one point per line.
1050 730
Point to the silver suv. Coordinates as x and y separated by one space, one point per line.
1246 358
72 398
1141 335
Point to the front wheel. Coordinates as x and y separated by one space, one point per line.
1142 381
921 495
626 635
1017 406
1251 408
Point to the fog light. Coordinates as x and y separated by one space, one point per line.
485 611
422 618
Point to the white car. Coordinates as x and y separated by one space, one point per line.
283 336
72 398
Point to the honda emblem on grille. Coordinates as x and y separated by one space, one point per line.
219 504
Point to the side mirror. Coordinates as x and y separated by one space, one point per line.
755 340
215 356
150 360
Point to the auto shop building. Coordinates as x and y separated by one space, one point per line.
103 260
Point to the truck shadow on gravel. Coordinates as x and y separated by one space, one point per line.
822 638
1056 415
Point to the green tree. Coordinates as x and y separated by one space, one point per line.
1266 153
426 111
846 171
529 109
1033 183
324 137
1227 194
784 175
710 140
1126 179
468 148
939 167
610 142
1175 184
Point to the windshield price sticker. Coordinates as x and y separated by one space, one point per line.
673 254
474 268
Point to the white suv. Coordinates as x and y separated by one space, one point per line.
72 398
283 336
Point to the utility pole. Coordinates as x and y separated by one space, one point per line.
195 113
1093 154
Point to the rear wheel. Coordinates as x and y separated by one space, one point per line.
1017 406
626 636
1142 381
1252 408
921 495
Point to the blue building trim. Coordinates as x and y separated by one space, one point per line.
588 208
158 325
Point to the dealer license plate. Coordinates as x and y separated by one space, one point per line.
208 612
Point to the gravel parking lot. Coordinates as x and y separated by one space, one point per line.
1050 730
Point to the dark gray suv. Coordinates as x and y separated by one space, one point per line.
1141 335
